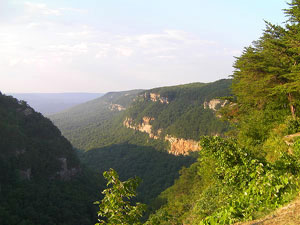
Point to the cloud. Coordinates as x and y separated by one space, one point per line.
149 40
43 9
57 42
45 46
68 50
124 51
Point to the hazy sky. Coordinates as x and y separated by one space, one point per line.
107 45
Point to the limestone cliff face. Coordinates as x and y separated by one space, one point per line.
25 174
66 173
154 97
116 107
180 146
214 104
145 126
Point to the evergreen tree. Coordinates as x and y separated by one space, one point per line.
267 75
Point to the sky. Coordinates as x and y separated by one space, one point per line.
50 46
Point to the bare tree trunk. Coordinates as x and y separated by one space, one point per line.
292 107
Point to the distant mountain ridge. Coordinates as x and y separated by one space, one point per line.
180 114
50 103
83 122
182 111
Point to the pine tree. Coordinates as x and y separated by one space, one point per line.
269 72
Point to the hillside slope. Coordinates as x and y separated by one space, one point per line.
41 178
33 142
160 115
287 215
180 115
84 123
119 130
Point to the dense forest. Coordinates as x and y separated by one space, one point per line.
98 131
184 114
87 124
97 124
157 169
41 178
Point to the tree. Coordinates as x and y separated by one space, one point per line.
267 75
116 206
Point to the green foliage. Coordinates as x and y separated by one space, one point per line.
174 203
267 74
51 202
266 84
274 146
92 124
157 169
293 125
184 116
115 206
260 185
228 184
30 142
297 149
109 144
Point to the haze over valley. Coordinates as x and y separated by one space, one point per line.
50 103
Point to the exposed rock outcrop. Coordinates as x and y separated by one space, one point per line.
25 174
116 107
289 139
215 104
28 111
154 97
145 126
20 152
180 146
65 173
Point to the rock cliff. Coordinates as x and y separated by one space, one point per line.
67 173
178 146
154 97
145 126
116 107
215 104
25 174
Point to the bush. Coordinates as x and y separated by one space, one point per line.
293 125
115 206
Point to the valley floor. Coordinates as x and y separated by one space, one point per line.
287 215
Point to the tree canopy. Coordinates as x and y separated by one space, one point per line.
267 74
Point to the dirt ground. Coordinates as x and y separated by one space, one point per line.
287 215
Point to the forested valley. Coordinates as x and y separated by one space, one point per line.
223 152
